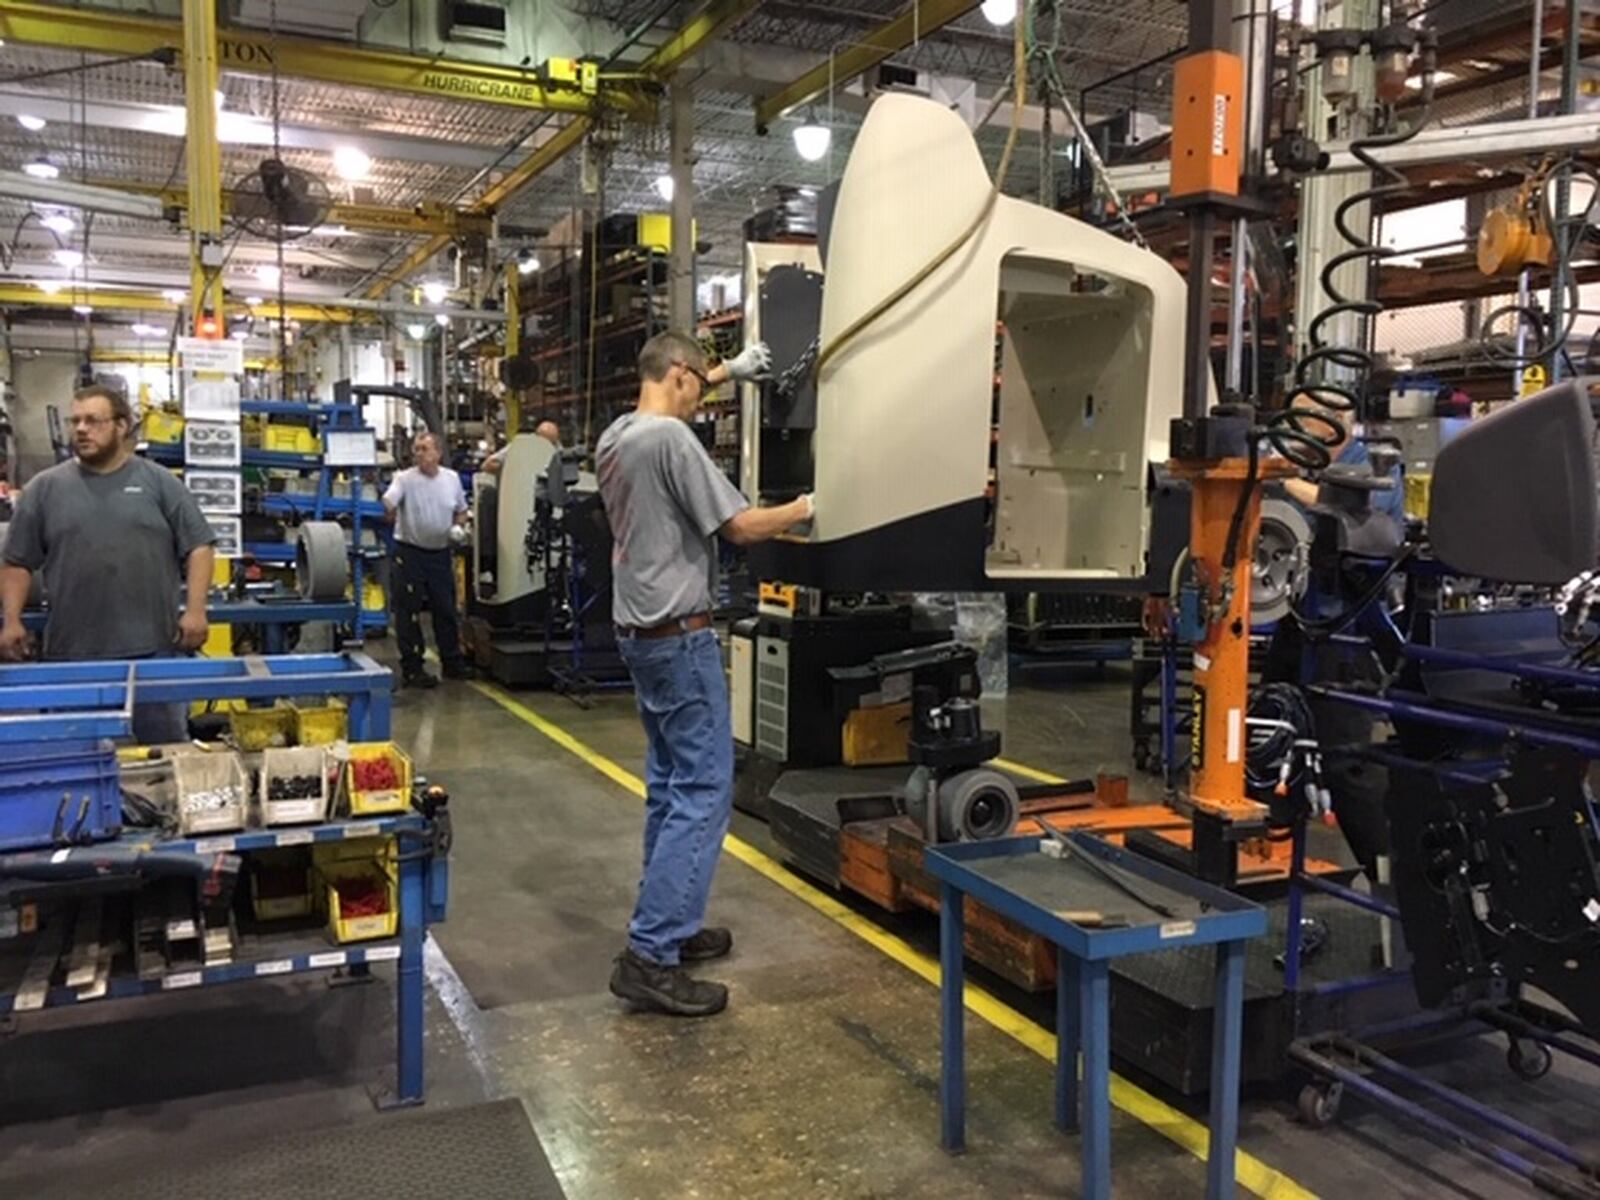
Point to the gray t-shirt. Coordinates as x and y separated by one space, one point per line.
665 500
427 506
112 548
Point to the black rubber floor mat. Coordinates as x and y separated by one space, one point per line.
485 1151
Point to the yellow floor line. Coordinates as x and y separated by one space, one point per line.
1027 772
1253 1175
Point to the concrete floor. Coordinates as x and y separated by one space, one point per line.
820 1081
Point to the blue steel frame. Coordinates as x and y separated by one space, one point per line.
273 617
424 877
1083 995
1370 1065
51 701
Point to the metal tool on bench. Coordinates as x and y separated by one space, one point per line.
1064 850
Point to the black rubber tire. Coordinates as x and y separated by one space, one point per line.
1318 1104
1529 1061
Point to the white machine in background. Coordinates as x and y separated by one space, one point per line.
905 439
502 508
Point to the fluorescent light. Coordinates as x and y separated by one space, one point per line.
812 139
1440 78
41 168
168 119
83 310
269 274
999 12
69 258
49 287
351 163
417 330
665 187
441 318
140 329
174 295
434 291
58 223
30 122
527 262
253 301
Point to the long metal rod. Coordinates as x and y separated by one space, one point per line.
1535 61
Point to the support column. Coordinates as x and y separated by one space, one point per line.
680 287
204 156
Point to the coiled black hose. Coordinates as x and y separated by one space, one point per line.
1294 431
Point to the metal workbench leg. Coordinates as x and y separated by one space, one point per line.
1067 1001
1227 1042
953 1064
1094 1015
409 987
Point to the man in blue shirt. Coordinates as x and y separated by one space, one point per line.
1352 452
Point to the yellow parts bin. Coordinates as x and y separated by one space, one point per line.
280 884
358 888
321 724
261 728
291 439
392 794
162 428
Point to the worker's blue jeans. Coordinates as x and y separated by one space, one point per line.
683 702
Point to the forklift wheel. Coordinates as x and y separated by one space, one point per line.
1319 1104
1529 1061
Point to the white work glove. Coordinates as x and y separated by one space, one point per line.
460 535
751 363
811 505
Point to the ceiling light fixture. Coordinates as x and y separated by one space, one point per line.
57 223
351 163
253 301
41 168
68 258
434 292
418 331
174 295
30 122
49 287
140 329
83 310
241 332
999 12
812 139
269 274
665 187
527 261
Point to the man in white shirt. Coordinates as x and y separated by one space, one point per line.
426 505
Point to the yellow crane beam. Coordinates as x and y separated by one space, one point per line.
920 18
204 159
429 217
709 21
102 31
26 295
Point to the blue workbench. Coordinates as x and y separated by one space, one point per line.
1013 878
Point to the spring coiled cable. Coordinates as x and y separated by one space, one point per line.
1308 436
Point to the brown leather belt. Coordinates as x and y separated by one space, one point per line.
667 628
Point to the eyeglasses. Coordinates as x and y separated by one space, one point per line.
89 422
697 373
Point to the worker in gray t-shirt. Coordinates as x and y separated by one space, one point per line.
666 502
118 540
427 505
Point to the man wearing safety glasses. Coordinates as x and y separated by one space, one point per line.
667 502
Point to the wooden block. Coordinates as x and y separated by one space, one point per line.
864 864
876 736
1111 790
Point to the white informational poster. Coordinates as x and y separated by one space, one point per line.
230 536
223 356
211 444
210 399
217 492
350 448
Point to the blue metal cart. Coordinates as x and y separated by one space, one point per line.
1094 903
50 701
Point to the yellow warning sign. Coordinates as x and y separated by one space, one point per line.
1534 379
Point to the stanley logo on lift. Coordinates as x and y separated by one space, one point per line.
1197 743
